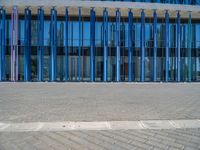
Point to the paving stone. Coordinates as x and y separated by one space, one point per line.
110 143
89 140
156 144
51 102
84 140
32 102
189 148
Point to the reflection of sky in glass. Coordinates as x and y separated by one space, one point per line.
73 34
46 33
86 34
198 36
21 32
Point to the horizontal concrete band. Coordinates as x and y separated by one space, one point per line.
100 5
104 125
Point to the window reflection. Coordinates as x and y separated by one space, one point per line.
73 40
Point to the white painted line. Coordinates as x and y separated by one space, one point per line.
151 124
101 125
174 124
40 125
3 126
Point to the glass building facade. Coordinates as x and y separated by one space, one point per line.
40 47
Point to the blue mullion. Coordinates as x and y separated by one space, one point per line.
92 45
2 43
130 46
166 46
189 47
25 45
14 44
29 45
155 46
27 42
186 2
105 41
40 48
66 43
118 15
178 48
79 46
55 44
142 47
53 39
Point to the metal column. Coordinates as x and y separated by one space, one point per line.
92 45
178 44
66 44
105 44
166 46
186 2
130 46
118 62
27 44
2 43
79 45
61 42
14 44
154 46
142 47
53 41
40 47
189 45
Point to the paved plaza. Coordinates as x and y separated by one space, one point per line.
26 106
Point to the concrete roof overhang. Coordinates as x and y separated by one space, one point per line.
99 6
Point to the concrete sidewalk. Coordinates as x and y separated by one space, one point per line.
31 103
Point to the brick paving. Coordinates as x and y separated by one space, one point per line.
121 139
34 102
